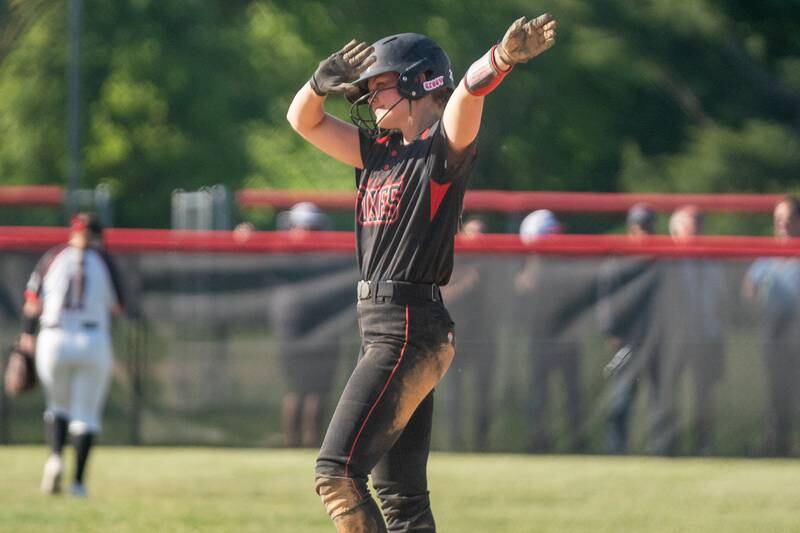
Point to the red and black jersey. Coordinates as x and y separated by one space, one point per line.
408 207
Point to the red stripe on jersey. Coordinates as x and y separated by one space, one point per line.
383 140
438 190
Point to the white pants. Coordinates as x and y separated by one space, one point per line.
75 370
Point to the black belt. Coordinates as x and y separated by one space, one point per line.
398 290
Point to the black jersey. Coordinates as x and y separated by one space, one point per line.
408 207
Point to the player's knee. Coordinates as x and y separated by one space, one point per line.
349 505
403 508
340 495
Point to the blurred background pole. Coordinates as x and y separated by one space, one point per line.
73 106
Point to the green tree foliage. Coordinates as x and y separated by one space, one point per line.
663 95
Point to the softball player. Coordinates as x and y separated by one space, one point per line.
413 146
69 297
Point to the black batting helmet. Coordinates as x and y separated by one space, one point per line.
408 54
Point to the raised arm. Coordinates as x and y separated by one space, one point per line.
307 113
523 41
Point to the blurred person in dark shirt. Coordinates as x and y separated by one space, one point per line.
546 294
467 298
628 287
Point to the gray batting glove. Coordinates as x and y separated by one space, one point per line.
335 74
525 40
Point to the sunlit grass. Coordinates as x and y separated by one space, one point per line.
243 490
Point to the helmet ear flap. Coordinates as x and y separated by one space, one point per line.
409 84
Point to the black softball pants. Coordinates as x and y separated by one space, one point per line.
382 423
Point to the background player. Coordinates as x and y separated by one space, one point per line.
772 285
413 150
468 385
692 316
552 347
69 295
308 349
627 319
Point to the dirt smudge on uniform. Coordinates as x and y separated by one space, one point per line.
418 382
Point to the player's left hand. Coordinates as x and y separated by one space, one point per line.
525 40
20 372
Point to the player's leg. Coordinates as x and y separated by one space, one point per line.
542 364
341 478
707 370
290 419
53 371
400 478
664 429
779 355
484 361
89 389
620 395
454 403
569 365
309 422
396 371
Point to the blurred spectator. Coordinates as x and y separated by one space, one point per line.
548 304
773 285
692 316
628 287
308 351
304 216
641 220
685 223
466 296
243 231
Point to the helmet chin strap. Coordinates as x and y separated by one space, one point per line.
370 122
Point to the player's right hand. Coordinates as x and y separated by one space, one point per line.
335 74
525 40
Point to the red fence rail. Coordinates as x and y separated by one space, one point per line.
149 240
523 201
475 200
33 195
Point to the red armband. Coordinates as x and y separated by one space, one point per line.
484 75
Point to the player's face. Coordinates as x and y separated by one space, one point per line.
79 238
384 102
473 228
785 224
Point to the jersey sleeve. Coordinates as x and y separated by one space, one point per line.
33 289
453 166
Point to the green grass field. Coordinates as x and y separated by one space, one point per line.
243 490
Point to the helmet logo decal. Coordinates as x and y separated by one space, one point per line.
435 83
